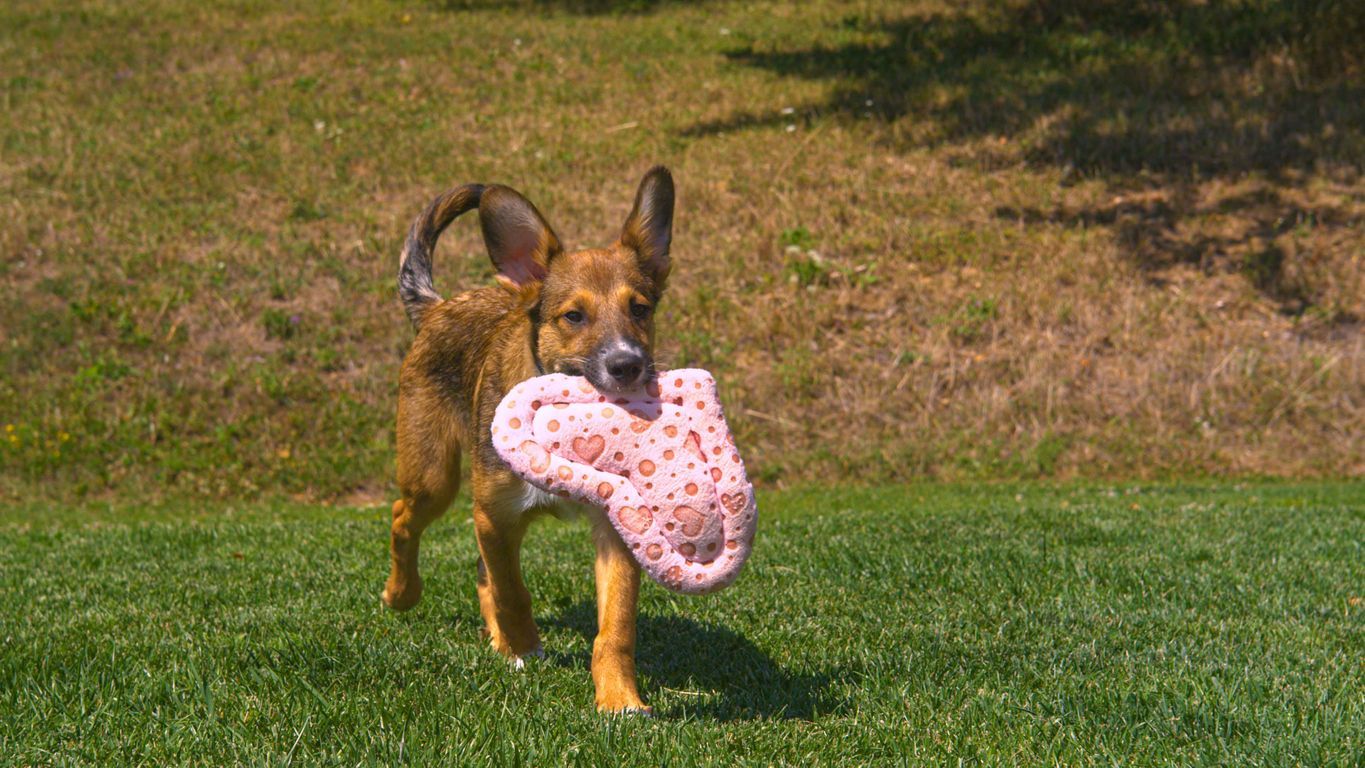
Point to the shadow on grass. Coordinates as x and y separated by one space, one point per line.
1148 95
1149 230
730 677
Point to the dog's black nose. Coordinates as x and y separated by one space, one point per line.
624 365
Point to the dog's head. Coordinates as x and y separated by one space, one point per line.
591 311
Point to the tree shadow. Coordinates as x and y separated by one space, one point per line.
730 678
1147 95
1121 87
1150 230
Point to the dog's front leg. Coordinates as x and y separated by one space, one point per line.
613 652
504 600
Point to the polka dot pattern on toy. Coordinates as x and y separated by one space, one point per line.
661 462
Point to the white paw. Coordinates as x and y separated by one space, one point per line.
519 662
642 711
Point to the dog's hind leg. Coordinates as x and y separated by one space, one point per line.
428 477
411 516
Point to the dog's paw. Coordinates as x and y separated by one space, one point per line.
631 710
519 662
528 638
400 596
620 699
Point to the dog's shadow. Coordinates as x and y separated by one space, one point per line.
715 672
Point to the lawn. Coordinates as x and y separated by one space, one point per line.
1038 624
1109 252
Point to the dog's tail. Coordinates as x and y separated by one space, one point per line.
414 267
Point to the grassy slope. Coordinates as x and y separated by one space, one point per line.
1038 625
1056 239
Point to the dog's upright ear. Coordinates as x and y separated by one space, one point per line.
519 240
649 227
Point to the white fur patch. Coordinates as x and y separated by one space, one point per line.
562 508
532 496
519 662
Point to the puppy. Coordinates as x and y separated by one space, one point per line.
588 313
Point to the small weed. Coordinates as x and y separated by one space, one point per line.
305 210
798 237
807 268
1264 267
106 368
863 275
61 287
700 348
1046 454
1065 313
907 357
283 286
798 373
280 324
970 321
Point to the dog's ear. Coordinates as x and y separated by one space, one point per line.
519 241
649 228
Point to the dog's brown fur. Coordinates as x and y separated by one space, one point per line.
551 311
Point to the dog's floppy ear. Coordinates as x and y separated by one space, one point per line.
649 227
519 241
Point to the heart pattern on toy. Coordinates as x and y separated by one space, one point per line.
588 450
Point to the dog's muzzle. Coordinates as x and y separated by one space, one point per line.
619 366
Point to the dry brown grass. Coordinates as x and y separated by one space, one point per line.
1077 244
1047 351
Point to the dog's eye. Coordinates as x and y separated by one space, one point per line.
639 311
574 316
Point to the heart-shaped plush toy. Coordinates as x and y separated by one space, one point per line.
662 463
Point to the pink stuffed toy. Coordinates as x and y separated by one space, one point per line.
662 463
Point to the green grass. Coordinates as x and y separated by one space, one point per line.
931 625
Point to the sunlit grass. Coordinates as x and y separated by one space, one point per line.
1004 625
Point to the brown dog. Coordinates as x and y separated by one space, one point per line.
589 313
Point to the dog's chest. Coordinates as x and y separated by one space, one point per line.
565 509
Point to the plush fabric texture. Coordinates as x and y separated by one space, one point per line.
662 463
